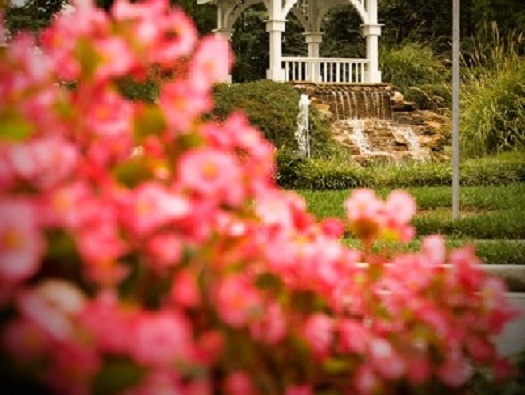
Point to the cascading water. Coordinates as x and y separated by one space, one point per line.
411 138
302 134
363 120
358 136
349 104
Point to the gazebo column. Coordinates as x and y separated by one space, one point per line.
314 40
225 34
372 31
275 28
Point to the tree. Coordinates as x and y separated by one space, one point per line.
33 15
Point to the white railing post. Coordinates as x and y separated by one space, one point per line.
275 28
334 70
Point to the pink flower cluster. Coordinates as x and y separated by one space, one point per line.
136 239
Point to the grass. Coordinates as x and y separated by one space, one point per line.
492 218
501 252
329 203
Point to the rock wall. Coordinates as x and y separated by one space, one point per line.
375 123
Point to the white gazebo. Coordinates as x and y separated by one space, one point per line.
310 13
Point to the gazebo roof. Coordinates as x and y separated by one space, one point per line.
310 14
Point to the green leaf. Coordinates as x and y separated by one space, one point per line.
149 121
133 172
15 128
335 365
116 376
87 57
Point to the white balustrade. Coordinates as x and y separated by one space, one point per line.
334 70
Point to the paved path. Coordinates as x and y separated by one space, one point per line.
512 340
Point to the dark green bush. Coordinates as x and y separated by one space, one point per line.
146 91
273 107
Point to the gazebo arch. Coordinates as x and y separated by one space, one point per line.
310 13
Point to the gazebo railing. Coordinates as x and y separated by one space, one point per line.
334 70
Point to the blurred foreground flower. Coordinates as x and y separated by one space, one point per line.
180 267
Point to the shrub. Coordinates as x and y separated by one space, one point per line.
434 97
493 98
147 251
273 107
412 65
296 173
146 91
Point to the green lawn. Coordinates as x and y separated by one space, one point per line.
492 218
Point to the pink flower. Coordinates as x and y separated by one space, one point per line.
434 249
180 37
109 116
354 337
116 58
504 370
239 383
211 62
271 328
24 340
159 381
21 240
332 227
480 349
152 206
185 290
60 206
401 207
365 212
455 371
385 360
238 302
52 306
370 218
161 339
366 381
500 311
212 174
299 390
123 10
73 366
100 246
210 346
182 103
164 251
466 270
318 331
108 322
418 369
43 162
363 204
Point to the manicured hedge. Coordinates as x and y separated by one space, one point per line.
323 174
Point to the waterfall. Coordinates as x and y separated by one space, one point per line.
356 104
411 138
336 105
302 134
358 136
363 121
